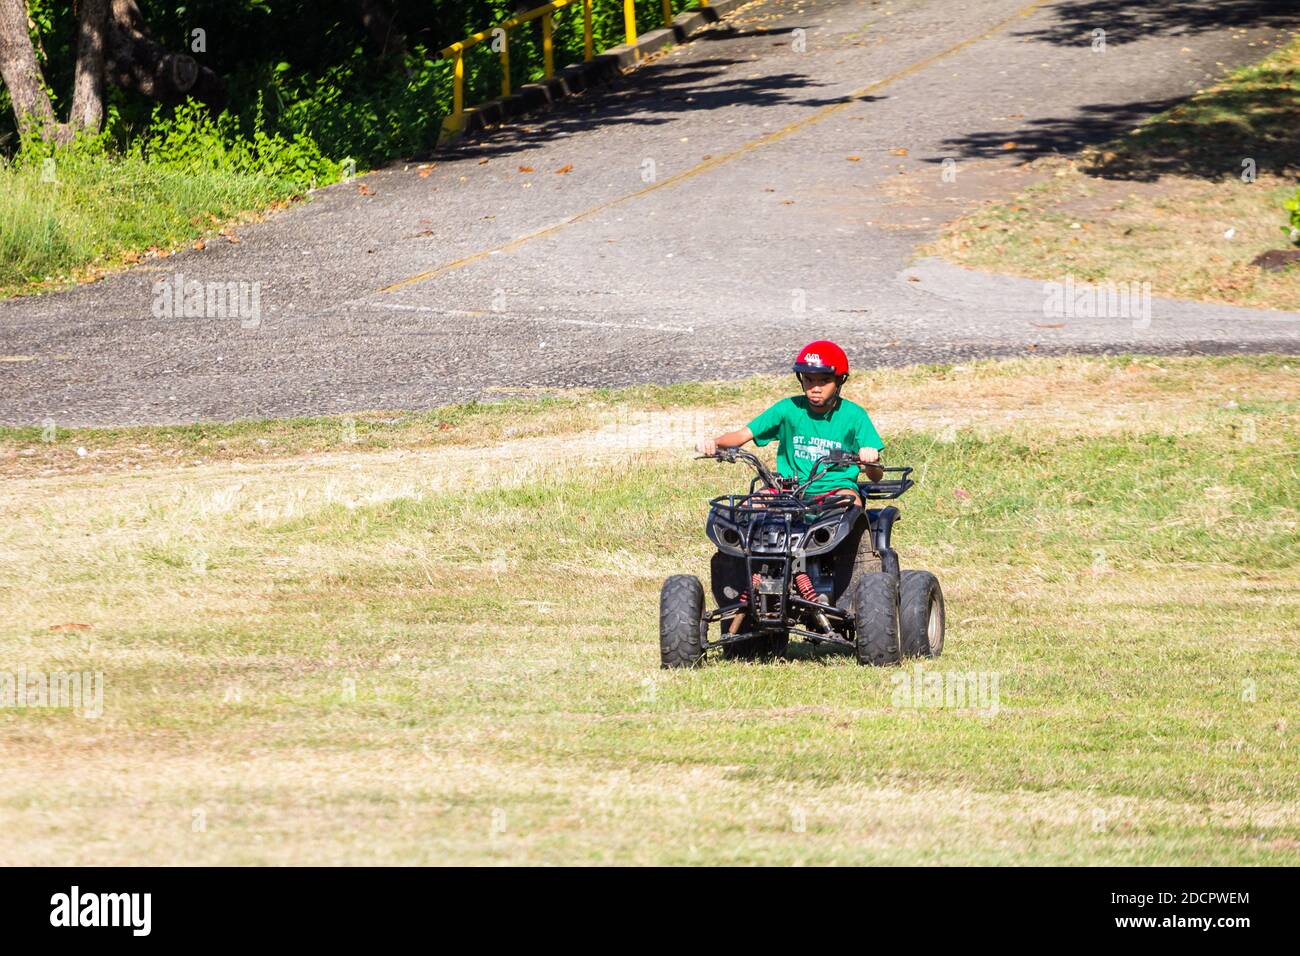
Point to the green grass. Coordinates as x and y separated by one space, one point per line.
103 211
341 659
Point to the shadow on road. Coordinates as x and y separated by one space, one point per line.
650 97
1208 137
1126 21
1099 123
1253 120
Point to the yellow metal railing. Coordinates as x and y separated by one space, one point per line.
456 121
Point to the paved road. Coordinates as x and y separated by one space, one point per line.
710 222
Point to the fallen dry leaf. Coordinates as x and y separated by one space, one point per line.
901 151
365 190
525 169
1048 325
482 161
1010 144
564 169
854 159
200 245
69 627
424 173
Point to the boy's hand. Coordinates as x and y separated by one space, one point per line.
706 446
869 455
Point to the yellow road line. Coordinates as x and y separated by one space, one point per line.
824 113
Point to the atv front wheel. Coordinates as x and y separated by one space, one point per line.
681 612
921 615
875 619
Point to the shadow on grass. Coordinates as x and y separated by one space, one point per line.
806 652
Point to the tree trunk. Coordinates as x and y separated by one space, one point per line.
135 62
379 24
21 73
88 82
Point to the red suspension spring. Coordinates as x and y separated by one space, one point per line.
805 586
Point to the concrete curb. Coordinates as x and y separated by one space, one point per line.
598 71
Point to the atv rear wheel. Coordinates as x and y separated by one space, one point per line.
921 616
681 612
875 619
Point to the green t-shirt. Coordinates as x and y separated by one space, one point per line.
806 436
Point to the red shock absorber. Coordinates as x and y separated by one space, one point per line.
805 586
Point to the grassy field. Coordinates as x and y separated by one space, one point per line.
1169 204
432 638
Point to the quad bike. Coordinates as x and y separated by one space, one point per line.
790 563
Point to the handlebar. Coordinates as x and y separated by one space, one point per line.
875 490
835 458
731 455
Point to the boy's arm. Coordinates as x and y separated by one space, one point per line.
710 446
869 448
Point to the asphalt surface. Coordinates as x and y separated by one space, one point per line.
701 220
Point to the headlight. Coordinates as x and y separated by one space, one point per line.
725 535
826 536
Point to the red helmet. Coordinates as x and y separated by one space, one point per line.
822 358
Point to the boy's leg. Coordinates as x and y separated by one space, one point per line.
848 493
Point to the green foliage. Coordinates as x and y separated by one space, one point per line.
307 69
1292 206
192 140
353 112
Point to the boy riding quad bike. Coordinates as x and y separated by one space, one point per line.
799 553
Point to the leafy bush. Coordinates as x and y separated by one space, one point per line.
355 110
1292 206
190 139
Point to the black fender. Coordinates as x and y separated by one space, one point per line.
726 571
882 528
